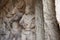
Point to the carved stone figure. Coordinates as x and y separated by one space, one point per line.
28 32
28 22
20 22
12 24
15 15
15 32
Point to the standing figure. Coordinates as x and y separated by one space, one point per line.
12 21
15 32
13 13
28 21
28 28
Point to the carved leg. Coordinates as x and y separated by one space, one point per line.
31 36
23 36
9 36
17 36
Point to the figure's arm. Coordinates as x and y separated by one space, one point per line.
21 21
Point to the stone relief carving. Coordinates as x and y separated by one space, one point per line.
19 23
28 32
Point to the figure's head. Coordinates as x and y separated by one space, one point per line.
15 25
29 10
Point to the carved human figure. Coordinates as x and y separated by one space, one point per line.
28 30
14 15
28 21
12 24
15 32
